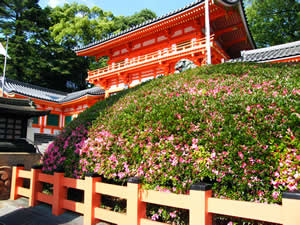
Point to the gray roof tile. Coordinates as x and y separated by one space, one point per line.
291 49
21 107
34 91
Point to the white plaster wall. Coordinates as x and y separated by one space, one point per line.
47 131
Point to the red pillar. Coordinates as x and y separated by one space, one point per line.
59 193
35 185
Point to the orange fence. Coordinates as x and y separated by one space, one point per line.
199 202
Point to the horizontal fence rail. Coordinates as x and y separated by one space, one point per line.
199 201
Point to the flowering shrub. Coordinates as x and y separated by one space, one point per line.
234 125
64 151
227 123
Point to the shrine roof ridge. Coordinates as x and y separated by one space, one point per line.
151 21
34 91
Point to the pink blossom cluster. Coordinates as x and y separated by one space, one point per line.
64 151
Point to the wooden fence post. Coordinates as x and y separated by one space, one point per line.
199 194
92 200
136 209
291 207
35 185
59 192
16 181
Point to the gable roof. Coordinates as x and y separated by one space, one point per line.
34 91
272 53
167 16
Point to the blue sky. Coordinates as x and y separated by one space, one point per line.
125 7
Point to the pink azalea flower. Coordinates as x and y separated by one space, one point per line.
155 217
241 155
173 214
275 195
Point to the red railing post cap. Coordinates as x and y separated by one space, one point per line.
291 195
134 180
201 187
37 167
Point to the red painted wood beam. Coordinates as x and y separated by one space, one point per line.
228 29
229 44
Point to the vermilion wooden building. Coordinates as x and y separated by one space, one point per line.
153 48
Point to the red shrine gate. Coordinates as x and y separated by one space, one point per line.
153 48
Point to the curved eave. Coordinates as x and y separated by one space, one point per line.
89 50
245 22
56 103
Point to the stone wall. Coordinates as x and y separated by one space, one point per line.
7 160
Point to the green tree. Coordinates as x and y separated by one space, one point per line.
35 57
21 20
273 22
125 22
42 40
79 24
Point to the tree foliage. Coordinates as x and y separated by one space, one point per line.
80 24
123 23
42 40
273 22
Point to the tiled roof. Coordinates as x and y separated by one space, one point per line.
276 52
149 22
21 107
33 91
78 94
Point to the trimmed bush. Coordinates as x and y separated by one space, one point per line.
233 124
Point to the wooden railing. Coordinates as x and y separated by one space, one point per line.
195 44
199 201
